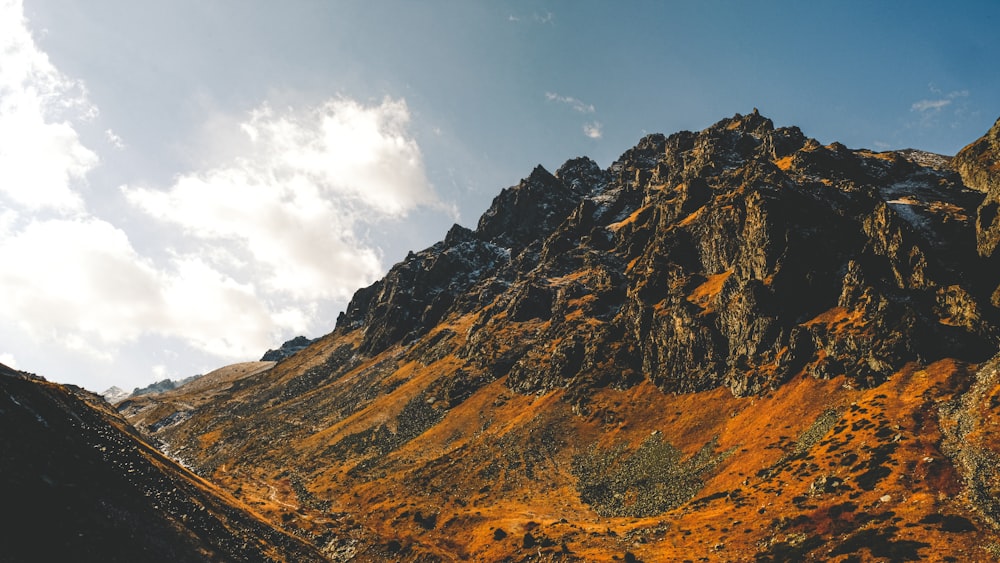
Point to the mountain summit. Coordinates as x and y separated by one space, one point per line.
737 257
731 344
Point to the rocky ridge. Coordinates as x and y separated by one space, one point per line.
737 256
115 395
738 328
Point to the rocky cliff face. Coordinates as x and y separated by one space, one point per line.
979 165
736 343
737 257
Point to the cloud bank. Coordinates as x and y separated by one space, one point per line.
79 284
41 155
250 245
293 204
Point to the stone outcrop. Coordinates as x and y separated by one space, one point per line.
288 348
737 256
979 165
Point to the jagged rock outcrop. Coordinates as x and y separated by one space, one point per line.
288 348
416 293
160 386
979 165
737 256
115 394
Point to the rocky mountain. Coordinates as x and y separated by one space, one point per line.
290 347
79 484
115 394
734 344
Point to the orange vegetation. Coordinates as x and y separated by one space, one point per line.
814 471
705 294
630 219
785 163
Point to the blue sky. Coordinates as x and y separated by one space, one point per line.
185 184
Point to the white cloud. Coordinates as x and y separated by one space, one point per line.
294 204
75 276
256 243
40 151
114 140
928 105
592 129
574 103
221 315
940 103
80 284
8 219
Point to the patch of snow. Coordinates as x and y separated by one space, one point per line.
909 211
115 395
925 158
907 189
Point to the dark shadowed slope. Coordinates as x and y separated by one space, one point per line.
77 484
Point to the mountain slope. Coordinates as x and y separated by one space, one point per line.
736 343
79 485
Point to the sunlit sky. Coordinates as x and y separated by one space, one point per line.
186 184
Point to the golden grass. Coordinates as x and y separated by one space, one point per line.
628 220
785 163
705 294
878 446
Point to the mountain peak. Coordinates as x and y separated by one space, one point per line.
582 175
524 213
739 321
763 230
753 123
288 348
